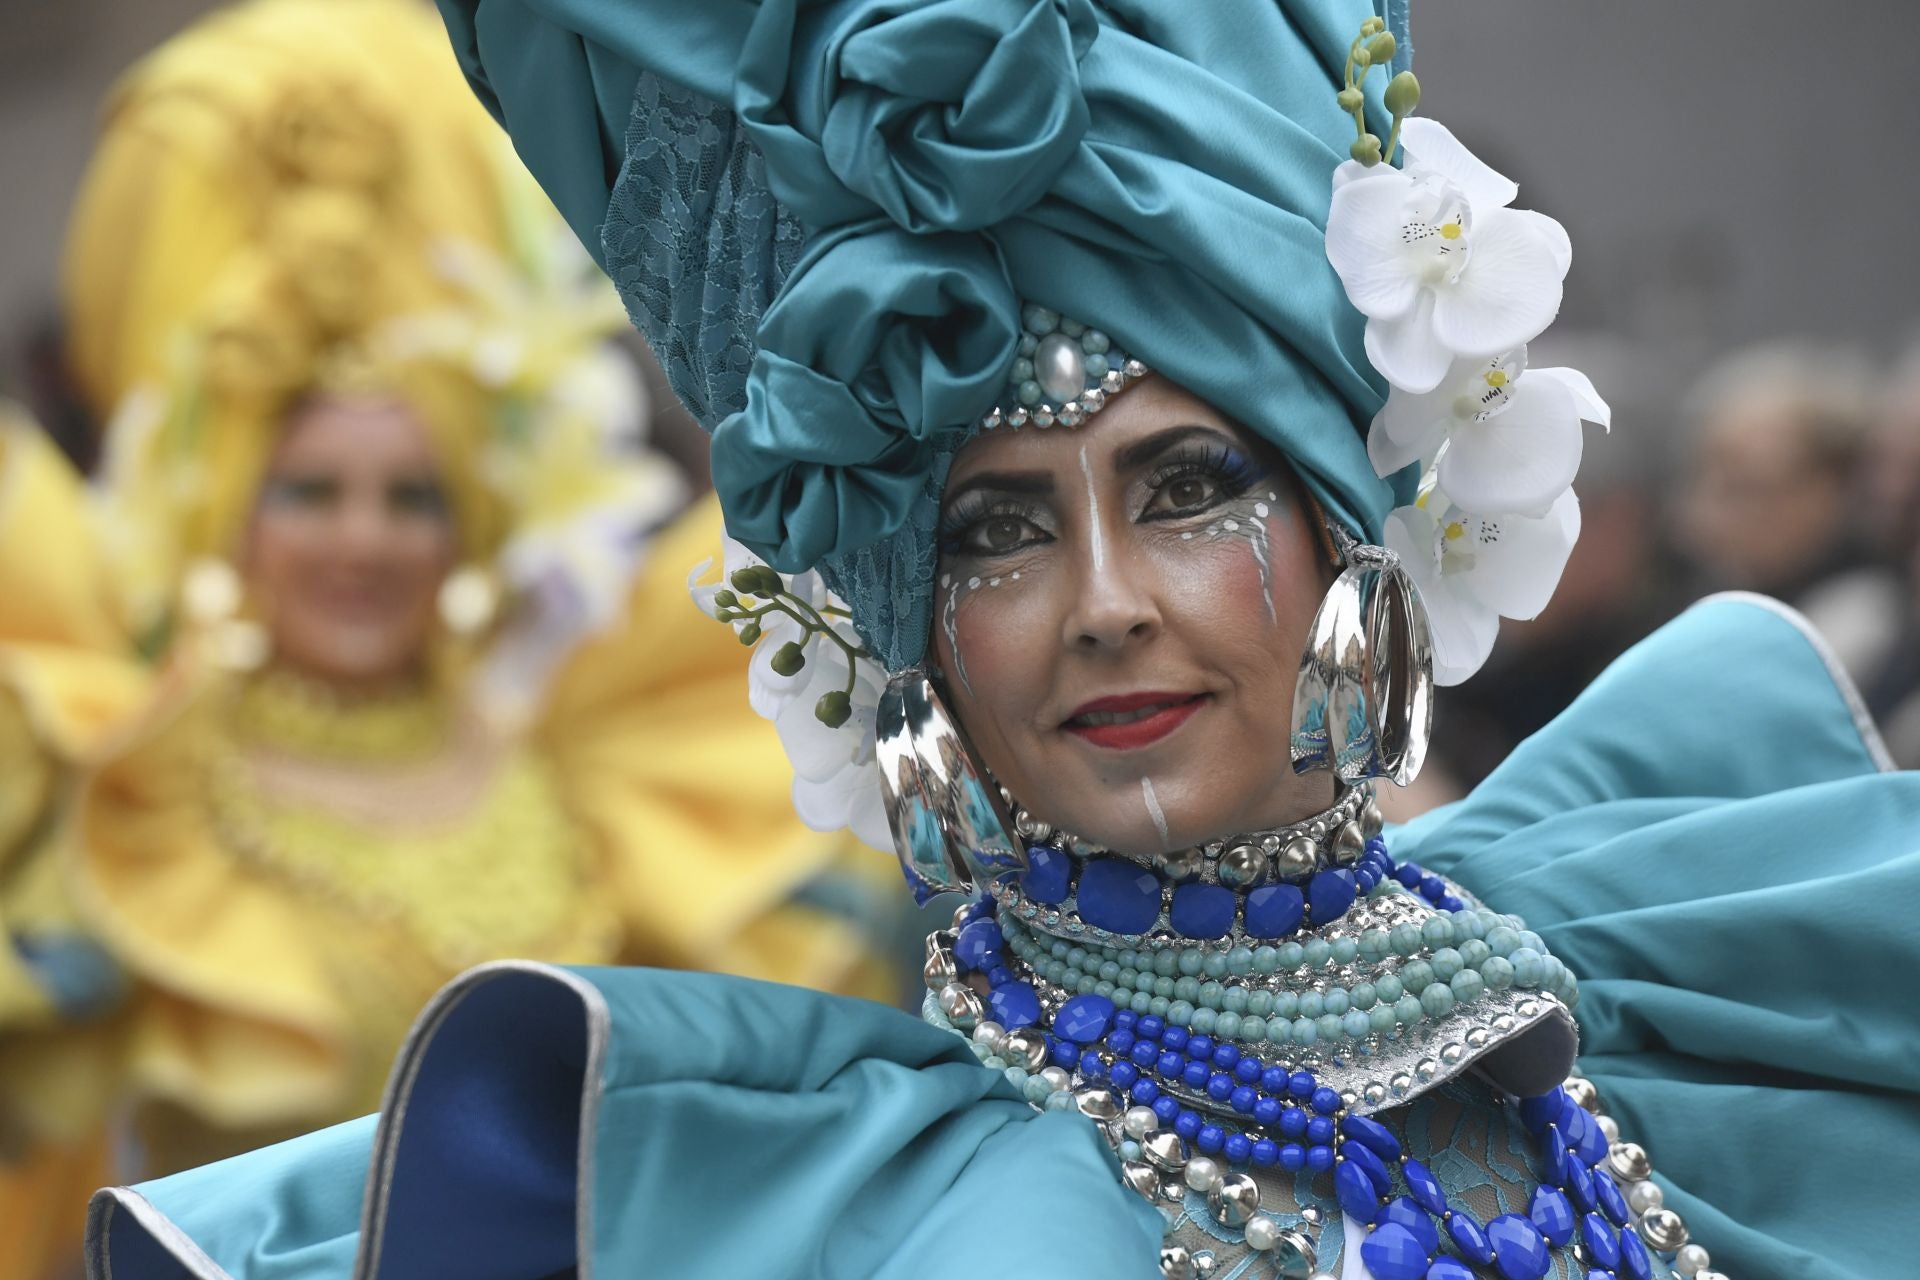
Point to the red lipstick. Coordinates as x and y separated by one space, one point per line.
1129 721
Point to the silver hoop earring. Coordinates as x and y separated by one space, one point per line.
1363 701
950 828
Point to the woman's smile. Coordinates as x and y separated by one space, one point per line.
1130 721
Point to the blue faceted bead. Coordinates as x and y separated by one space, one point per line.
1166 1108
1407 1214
1274 910
1123 1074
1444 1268
1607 1192
1432 888
1266 1111
1173 1038
1370 1164
1635 1264
1187 1124
1244 1098
1170 1063
1125 1018
1274 1079
1226 1055
1120 1039
1301 1085
1199 911
1293 1157
1589 1143
1393 1253
1048 875
1469 1237
1519 1250
1239 1148
1014 1004
1118 895
1425 1187
1330 893
1153 1028
1555 1162
1195 1075
1084 1018
1319 1129
1143 1053
1266 1153
1450 902
1090 1064
977 947
1200 1048
1580 1187
1219 1086
1063 1054
1372 1135
1326 1101
1602 1245
1320 1159
1247 1071
1538 1112
1210 1138
1293 1121
1551 1213
999 974
1355 1191
1144 1092
1408 874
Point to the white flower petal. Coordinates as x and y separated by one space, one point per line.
1405 350
1363 244
1587 401
867 811
1508 294
1555 234
1463 633
703 595
1431 146
1518 460
1516 572
1389 455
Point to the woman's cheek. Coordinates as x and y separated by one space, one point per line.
1223 571
982 617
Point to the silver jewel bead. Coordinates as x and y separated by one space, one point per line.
1295 1254
1479 1038
1645 1197
992 420
1234 1199
1663 1230
1262 1234
1426 1070
1165 1150
1177 1264
939 970
1030 828
1242 867
1400 1084
1140 1178
1059 367
940 940
1134 369
1070 415
990 1036
1017 416
1043 417
1690 1260
1317 829
1348 844
1180 865
1113 380
1528 1008
1628 1160
1375 1093
1609 1128
1311 1215
1270 844
1453 1053
1581 1090
1371 819
1025 1047
1297 857
1504 1023
1056 1079
961 1005
1140 1123
961 917
1093 399
1202 1173
1172 1190
1212 848
1205 1263
1097 1102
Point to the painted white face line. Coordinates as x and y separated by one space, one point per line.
1153 808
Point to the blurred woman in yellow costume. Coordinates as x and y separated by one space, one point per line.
358 665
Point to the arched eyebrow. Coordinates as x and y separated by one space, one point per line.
1038 484
1147 448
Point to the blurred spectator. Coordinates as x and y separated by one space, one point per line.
1890 523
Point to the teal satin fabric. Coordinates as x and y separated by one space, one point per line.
1162 172
1705 837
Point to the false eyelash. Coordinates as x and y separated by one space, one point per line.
1236 471
975 507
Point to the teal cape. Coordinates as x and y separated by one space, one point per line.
1709 837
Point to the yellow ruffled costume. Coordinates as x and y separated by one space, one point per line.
227 891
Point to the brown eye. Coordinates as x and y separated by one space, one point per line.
1184 494
999 534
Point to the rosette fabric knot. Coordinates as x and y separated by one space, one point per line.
880 343
949 116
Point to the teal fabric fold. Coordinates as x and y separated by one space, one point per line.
1707 840
1161 172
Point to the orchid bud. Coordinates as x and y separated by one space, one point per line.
834 709
789 658
1381 48
1361 58
769 580
1403 94
725 599
750 634
1351 99
743 579
1372 26
1366 149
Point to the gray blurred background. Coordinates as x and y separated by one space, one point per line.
1732 173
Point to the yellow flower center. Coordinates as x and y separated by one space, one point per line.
1454 530
1497 379
1451 231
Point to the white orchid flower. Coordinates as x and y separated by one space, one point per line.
1511 434
1471 571
1438 264
836 783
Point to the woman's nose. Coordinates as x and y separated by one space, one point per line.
1113 603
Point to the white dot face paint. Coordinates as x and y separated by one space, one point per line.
1154 812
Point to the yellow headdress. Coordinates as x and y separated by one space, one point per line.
273 213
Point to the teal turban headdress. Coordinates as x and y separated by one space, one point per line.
827 216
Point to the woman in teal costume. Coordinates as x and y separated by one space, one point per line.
831 265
